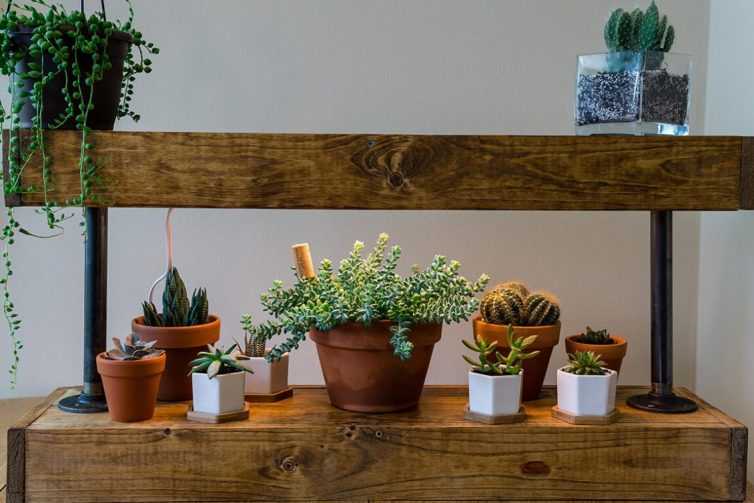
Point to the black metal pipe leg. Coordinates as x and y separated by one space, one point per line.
92 397
661 398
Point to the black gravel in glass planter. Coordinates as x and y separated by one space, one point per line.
633 93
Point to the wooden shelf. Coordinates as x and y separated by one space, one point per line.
304 449
237 170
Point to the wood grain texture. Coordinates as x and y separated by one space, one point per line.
747 173
304 449
17 456
237 170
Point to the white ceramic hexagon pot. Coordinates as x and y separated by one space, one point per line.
219 395
495 395
268 378
581 395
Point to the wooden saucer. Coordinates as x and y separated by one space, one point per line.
206 417
502 419
271 397
593 420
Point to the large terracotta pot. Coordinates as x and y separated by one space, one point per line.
611 354
534 368
181 344
131 386
361 372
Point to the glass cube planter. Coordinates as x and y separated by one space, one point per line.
633 93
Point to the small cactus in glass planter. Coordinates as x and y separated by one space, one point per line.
600 337
132 348
505 365
585 363
177 310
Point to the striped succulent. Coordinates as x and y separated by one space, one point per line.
177 311
217 361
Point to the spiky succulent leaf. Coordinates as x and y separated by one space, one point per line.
133 348
669 39
217 360
585 363
595 337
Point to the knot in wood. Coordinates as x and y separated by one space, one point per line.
395 178
535 468
288 464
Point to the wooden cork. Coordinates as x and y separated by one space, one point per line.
302 260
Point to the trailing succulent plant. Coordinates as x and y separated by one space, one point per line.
585 363
177 311
367 289
255 337
133 348
510 365
60 37
637 31
595 337
218 361
511 304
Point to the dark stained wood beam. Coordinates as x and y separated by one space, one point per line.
331 171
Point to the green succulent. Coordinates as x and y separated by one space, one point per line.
585 363
639 31
133 348
217 361
177 311
255 337
510 364
367 289
595 337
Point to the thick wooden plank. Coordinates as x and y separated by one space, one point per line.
236 170
747 173
304 449
10 410
17 455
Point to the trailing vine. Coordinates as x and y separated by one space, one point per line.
61 38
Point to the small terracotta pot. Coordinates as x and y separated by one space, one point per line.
361 372
181 344
611 354
534 368
131 386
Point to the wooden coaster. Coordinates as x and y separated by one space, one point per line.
503 419
267 398
206 417
593 420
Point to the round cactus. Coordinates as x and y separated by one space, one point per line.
518 286
502 307
541 308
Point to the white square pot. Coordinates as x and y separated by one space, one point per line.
221 394
495 395
267 378
586 395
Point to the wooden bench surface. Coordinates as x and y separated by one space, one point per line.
305 449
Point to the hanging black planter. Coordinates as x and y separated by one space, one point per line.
105 99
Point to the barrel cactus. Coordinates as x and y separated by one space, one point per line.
510 303
502 307
541 308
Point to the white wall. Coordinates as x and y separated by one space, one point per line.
390 66
725 375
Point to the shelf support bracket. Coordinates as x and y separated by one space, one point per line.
661 398
92 396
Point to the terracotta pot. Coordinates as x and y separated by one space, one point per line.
534 368
611 354
131 386
181 344
361 372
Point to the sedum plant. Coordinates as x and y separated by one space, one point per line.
177 311
585 363
255 337
217 361
510 365
133 348
367 289
595 337
60 37
511 304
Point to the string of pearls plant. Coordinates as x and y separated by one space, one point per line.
62 38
